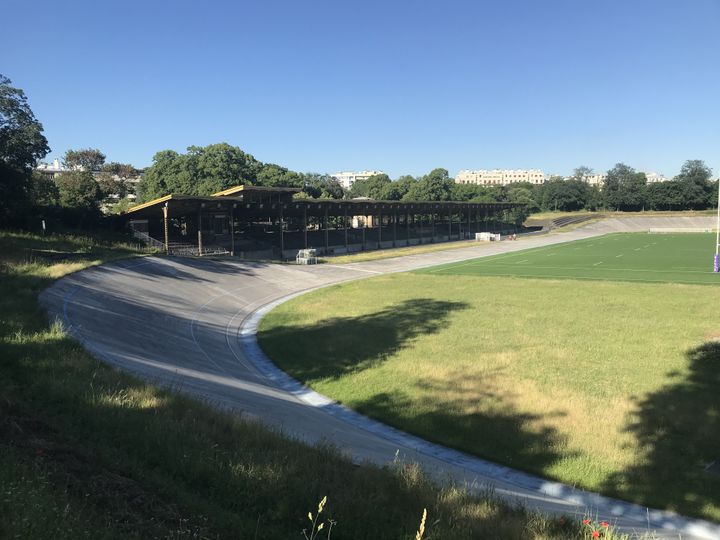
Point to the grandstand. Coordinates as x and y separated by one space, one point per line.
269 223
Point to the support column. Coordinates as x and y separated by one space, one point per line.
379 230
468 223
165 229
327 244
232 230
407 229
282 233
345 226
432 227
395 218
200 239
305 225
363 231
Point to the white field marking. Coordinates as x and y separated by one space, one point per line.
616 256
597 263
520 262
637 249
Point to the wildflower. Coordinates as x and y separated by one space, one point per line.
604 524
586 521
596 534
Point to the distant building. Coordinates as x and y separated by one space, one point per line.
595 179
500 177
50 169
348 178
653 177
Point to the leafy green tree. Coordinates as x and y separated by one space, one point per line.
43 191
694 178
322 186
22 144
201 171
373 187
565 195
121 170
396 190
581 172
272 175
435 186
666 196
624 188
78 189
87 159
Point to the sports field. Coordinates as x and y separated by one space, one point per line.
604 379
650 258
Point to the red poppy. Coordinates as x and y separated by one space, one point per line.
586 522
596 534
605 524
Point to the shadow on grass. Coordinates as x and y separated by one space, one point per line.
335 347
447 414
678 431
113 454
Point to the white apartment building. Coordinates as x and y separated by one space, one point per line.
599 179
594 179
653 177
348 178
51 169
500 177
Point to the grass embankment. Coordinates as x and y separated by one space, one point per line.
89 452
611 386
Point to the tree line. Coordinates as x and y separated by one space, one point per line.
90 183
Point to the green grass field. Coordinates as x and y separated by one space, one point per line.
87 451
601 379
650 258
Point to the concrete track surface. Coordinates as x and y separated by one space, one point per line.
189 324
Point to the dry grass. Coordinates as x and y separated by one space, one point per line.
89 452
597 384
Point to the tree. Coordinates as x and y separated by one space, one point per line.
372 187
624 188
666 196
43 191
22 144
322 186
201 171
581 172
434 186
565 195
272 175
694 178
87 159
78 189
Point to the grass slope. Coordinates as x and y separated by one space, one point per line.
89 452
658 258
611 386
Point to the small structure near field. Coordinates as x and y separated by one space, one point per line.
487 237
306 256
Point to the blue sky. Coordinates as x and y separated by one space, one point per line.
398 86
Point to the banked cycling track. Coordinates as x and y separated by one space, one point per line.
190 324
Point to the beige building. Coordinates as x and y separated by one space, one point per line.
500 177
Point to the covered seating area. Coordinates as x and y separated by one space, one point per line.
269 223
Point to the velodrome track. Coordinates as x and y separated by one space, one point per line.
189 324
